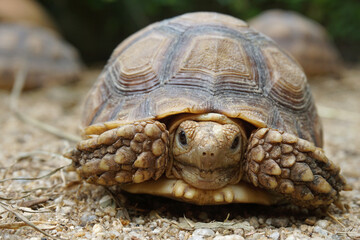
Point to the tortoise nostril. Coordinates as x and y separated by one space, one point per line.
205 153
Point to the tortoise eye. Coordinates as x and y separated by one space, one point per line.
235 142
182 137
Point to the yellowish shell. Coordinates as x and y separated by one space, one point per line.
305 39
199 63
46 57
26 12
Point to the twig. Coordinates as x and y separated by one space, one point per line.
17 225
188 222
118 203
25 220
335 219
163 232
11 199
18 86
40 188
22 156
33 178
227 217
355 233
14 97
45 127
29 210
63 177
30 203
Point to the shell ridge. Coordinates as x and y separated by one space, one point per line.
233 71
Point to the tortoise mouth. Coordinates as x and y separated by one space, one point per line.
177 189
207 179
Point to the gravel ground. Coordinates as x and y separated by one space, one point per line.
65 208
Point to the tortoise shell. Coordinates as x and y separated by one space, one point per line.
304 38
169 68
27 12
47 58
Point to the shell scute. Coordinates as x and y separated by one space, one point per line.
191 65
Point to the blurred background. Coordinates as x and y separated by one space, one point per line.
95 27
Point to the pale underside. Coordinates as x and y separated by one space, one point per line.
179 190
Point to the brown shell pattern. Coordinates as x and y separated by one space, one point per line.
47 58
204 62
27 12
305 39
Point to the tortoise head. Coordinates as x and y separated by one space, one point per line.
207 151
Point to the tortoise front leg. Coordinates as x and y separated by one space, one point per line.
293 167
131 153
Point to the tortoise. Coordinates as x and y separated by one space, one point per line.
203 109
47 58
28 12
304 38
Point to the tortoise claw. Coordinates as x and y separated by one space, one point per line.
131 153
292 167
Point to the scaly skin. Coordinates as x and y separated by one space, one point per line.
292 167
130 153
211 156
204 163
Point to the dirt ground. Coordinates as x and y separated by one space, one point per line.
65 208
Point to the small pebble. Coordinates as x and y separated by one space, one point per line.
275 235
68 202
79 234
86 218
97 228
204 232
139 221
310 221
268 221
229 237
196 237
105 201
66 210
254 222
239 231
135 235
290 237
181 235
336 237
280 222
321 231
322 223
38 192
28 215
257 236
153 215
58 200
111 211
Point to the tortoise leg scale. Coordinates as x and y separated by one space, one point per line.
131 153
292 167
